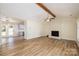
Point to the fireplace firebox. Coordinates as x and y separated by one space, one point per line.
55 33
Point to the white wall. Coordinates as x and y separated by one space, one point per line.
69 29
65 26
77 29
33 29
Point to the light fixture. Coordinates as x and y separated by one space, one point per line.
47 20
50 19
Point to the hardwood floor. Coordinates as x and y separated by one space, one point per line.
42 46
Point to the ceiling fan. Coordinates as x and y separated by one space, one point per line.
49 19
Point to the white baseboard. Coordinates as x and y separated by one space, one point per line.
77 43
54 37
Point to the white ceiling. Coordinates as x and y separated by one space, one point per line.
32 11
11 20
22 10
64 9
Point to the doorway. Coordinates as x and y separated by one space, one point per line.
10 31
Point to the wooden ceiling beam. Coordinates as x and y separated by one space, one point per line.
46 9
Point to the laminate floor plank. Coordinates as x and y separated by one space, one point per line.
42 46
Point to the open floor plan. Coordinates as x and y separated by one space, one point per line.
39 29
